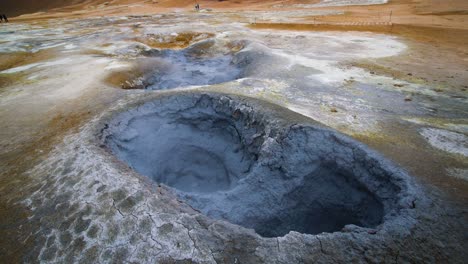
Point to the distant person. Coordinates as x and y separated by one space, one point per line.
5 18
1 18
197 7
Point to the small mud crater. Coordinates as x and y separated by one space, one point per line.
207 62
237 161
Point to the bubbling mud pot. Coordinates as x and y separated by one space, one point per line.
204 63
231 162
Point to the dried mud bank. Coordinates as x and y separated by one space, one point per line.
92 207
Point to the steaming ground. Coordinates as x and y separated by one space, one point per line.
73 201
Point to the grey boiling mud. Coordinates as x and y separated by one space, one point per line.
204 63
234 162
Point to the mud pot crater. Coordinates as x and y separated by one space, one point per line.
240 161
206 62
